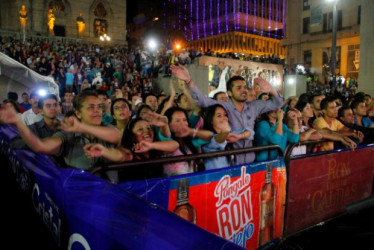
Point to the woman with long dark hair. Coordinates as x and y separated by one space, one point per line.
216 121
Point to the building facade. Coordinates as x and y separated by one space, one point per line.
308 36
84 19
242 26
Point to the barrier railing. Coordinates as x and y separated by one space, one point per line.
244 204
327 184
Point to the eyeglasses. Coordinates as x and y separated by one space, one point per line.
116 108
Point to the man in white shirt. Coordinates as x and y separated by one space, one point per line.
32 115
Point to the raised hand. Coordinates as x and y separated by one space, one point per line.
181 131
280 115
264 85
180 72
155 119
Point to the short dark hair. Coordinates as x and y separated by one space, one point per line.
325 102
230 82
301 105
102 92
146 96
42 99
117 100
218 93
342 111
79 99
13 96
356 102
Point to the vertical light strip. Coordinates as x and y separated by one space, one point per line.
238 19
270 17
246 17
197 21
211 20
262 17
204 18
164 15
284 17
233 11
191 18
276 18
255 17
185 19
174 21
226 17
218 19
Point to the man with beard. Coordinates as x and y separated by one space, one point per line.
241 113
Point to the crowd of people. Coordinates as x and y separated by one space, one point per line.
110 113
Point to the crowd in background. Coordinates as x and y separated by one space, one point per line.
110 111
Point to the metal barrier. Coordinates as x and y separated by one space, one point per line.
326 185
185 158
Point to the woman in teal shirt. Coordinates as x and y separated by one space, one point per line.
271 130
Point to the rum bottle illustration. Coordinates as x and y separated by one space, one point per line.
184 208
267 200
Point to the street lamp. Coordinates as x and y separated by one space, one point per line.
333 48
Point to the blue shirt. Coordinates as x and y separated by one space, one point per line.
239 120
266 135
366 122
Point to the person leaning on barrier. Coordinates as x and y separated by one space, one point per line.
241 113
46 127
308 133
216 121
330 121
271 130
346 116
139 136
81 133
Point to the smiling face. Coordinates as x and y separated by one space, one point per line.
91 111
142 131
178 121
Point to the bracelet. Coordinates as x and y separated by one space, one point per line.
195 132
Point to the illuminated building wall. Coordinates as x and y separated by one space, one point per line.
208 21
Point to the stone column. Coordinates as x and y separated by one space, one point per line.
365 75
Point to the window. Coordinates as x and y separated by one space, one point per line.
308 57
359 15
306 23
306 5
327 22
340 20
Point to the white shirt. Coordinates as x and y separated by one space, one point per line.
29 117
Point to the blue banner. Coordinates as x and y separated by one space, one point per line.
83 211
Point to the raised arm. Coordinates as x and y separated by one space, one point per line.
119 154
49 145
109 134
195 108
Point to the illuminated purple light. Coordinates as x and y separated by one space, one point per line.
276 18
255 17
211 20
233 8
197 21
204 18
238 27
226 17
246 17
191 25
218 19
270 8
174 20
185 19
